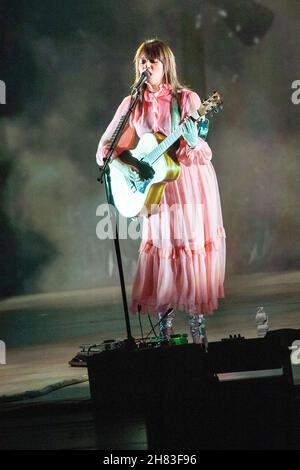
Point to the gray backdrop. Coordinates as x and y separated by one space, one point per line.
67 65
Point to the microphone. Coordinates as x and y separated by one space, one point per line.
143 78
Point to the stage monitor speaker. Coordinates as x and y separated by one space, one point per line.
148 375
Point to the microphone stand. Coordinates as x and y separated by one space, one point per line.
105 175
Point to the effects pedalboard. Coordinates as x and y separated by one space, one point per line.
110 344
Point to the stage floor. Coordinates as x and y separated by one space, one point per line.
43 332
45 403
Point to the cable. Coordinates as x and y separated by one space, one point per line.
158 323
152 327
140 321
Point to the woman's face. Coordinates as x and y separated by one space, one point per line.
155 67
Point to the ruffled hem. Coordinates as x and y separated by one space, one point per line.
183 279
148 247
206 309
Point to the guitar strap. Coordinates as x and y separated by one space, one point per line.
175 116
175 112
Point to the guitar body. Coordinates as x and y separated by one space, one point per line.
132 199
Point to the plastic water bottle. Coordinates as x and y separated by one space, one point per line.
262 322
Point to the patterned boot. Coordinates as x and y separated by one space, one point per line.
198 331
166 325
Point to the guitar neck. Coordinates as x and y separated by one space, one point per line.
212 103
164 145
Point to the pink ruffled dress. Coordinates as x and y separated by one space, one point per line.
181 261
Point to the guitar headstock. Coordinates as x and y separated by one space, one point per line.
212 104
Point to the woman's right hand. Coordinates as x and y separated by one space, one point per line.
135 172
129 171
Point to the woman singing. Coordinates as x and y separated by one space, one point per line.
181 263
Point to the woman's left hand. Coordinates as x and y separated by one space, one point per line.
190 132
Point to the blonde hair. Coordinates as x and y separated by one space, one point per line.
156 49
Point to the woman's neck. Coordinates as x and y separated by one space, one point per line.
153 88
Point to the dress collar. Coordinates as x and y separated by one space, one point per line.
164 89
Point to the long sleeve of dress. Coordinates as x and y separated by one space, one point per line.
202 152
128 137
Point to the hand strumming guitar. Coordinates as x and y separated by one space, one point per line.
133 168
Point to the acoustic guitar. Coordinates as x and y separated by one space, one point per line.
152 156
